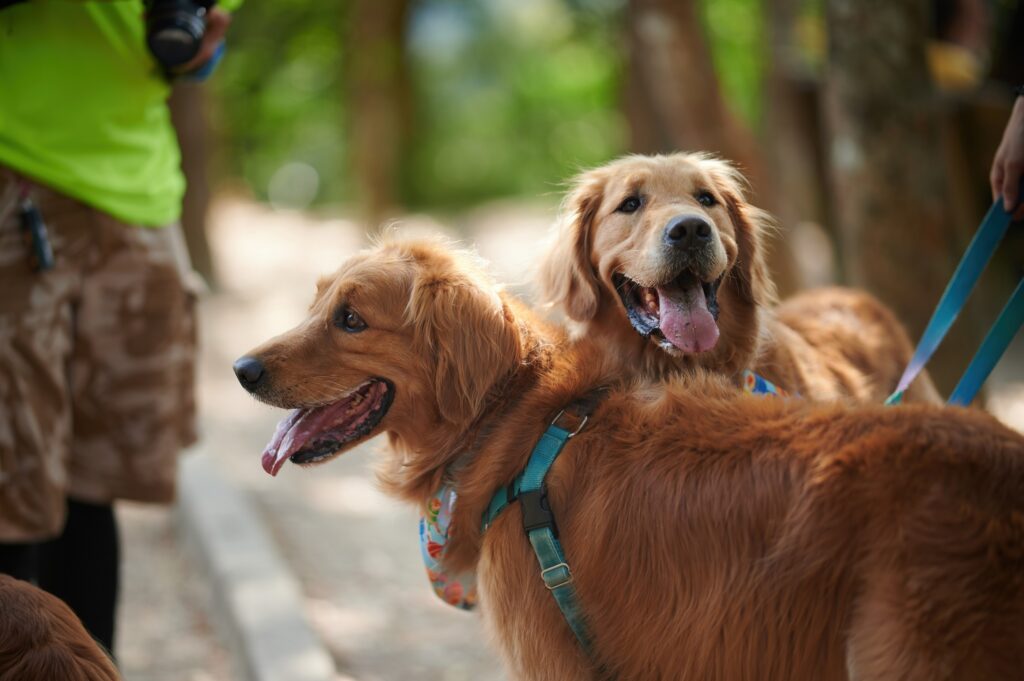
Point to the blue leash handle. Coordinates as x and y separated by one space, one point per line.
992 348
979 253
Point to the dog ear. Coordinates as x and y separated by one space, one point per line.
753 226
472 338
566 276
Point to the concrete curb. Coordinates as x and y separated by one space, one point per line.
252 588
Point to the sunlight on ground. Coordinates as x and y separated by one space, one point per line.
349 495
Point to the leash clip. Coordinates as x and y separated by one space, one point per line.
579 427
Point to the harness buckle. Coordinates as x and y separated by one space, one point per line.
537 513
579 427
559 580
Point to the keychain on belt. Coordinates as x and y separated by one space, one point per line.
34 231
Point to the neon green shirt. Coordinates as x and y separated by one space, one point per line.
83 107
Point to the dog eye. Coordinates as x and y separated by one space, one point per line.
631 205
348 320
706 199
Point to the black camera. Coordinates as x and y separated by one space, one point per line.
174 29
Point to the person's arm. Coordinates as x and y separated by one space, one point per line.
1008 164
217 22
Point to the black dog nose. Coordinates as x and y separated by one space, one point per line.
687 232
249 371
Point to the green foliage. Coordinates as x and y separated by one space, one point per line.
510 97
513 96
279 93
736 34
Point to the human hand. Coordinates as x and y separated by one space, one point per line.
217 22
1008 164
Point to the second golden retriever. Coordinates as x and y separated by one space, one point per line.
710 535
662 258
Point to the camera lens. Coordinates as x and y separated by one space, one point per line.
174 31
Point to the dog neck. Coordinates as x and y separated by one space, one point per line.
568 370
421 460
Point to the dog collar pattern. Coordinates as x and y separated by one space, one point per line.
458 590
759 385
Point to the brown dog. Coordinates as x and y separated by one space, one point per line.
42 640
663 259
710 535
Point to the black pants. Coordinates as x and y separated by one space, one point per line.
80 567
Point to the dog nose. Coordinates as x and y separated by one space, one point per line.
687 232
249 371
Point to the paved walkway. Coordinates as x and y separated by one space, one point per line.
166 628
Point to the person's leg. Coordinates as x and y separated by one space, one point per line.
18 560
35 344
131 376
81 567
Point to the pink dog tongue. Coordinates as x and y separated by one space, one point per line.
289 436
685 319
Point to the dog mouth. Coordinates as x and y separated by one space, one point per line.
681 315
314 434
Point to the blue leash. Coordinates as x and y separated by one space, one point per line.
984 244
992 348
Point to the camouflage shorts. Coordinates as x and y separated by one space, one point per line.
96 363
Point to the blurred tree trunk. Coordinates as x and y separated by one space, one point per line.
188 114
886 157
673 102
379 101
792 122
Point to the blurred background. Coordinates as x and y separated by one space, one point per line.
866 126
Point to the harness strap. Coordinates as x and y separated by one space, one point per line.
983 246
543 455
539 522
559 581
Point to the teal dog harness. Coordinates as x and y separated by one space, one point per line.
539 522
459 590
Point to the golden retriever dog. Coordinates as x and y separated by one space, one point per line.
662 258
42 640
710 534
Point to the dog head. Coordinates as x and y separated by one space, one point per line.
41 639
403 338
668 246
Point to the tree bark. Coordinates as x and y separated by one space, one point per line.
379 102
673 102
792 121
887 171
672 61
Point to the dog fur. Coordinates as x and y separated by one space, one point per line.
711 535
830 344
42 640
